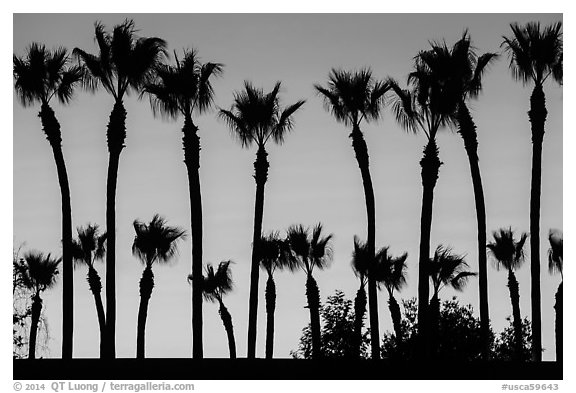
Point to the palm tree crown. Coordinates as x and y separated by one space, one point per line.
555 253
390 271
360 260
216 283
447 268
309 250
255 116
274 253
124 62
156 242
507 252
40 271
90 246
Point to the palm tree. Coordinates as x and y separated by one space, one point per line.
90 247
445 269
391 272
536 55
555 262
255 118
184 89
124 63
154 242
427 107
39 273
273 255
40 76
509 254
360 264
215 284
352 97
463 69
309 251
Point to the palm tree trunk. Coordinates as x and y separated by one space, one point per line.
516 318
313 297
51 128
434 325
467 130
227 321
116 135
558 324
537 116
270 308
261 175
396 319
191 144
36 310
146 286
361 151
95 285
359 311
430 164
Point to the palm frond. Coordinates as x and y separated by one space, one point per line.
555 253
156 241
40 271
506 251
360 259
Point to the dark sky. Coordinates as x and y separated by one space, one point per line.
313 176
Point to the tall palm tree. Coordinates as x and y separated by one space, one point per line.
39 273
445 269
215 284
40 76
509 254
352 97
255 118
463 69
426 107
555 263
360 264
155 242
272 256
124 63
88 248
536 55
185 89
310 250
391 272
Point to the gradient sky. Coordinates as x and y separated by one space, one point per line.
313 177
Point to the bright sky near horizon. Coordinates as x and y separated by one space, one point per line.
313 176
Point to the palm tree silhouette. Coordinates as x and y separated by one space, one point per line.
273 255
445 269
124 63
39 273
360 264
391 272
352 97
40 76
154 242
184 89
555 262
310 250
255 118
215 284
88 248
427 108
509 254
463 69
536 55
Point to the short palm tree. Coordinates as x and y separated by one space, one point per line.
273 256
427 107
154 243
535 56
88 248
463 69
39 273
124 63
185 89
40 76
555 262
353 97
254 119
311 250
509 254
216 284
360 264
391 273
446 269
